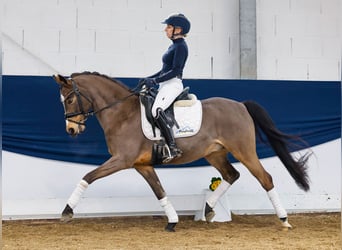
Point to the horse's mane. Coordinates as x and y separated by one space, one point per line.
101 75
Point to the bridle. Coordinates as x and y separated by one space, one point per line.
75 90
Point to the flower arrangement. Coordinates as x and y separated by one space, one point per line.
215 182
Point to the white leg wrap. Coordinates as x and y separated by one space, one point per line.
274 198
219 191
76 195
169 210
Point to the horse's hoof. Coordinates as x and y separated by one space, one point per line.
209 213
285 224
66 218
170 227
67 214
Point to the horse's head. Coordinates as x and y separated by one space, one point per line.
77 106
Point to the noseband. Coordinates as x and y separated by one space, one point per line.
91 111
78 94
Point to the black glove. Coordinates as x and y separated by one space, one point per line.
141 83
149 82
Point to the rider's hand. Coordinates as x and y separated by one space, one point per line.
150 82
141 83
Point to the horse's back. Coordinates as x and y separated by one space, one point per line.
227 117
224 106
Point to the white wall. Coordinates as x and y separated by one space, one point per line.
296 39
119 38
39 188
299 39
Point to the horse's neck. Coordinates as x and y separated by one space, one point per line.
119 103
108 92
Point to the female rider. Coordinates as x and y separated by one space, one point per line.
169 78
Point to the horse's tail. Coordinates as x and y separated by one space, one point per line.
279 142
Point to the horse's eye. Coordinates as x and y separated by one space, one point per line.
69 101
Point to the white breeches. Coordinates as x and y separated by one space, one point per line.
167 93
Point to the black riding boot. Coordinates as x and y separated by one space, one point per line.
167 132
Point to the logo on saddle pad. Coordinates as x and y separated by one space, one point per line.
188 115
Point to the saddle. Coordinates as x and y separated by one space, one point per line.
184 116
147 99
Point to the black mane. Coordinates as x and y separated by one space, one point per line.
101 75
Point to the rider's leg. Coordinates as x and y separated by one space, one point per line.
167 93
167 132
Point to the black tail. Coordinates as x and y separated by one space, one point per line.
279 142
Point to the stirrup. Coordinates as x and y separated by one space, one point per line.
172 153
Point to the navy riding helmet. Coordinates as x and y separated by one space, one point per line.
178 20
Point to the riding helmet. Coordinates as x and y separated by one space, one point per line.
178 20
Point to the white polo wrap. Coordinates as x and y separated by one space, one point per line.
274 198
76 195
218 192
169 210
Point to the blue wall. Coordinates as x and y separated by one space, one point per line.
33 122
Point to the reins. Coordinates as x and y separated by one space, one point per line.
113 103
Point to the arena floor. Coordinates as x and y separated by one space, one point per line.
310 231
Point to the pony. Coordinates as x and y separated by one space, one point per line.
228 126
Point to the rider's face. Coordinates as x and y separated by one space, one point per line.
169 31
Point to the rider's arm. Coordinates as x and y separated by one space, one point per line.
155 75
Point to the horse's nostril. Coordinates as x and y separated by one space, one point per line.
71 131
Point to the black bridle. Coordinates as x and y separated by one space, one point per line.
75 90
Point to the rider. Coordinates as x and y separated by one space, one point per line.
169 78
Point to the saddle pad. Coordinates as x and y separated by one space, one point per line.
188 118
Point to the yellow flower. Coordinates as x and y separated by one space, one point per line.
215 182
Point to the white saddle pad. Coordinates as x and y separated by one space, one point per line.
188 114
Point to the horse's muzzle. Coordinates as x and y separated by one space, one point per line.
74 129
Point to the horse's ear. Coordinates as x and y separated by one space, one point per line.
60 79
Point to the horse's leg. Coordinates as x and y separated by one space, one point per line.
152 179
251 161
229 174
109 167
